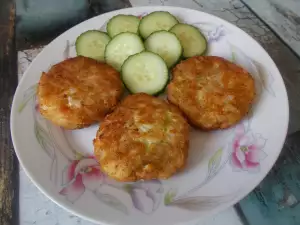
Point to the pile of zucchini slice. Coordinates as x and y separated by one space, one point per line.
143 50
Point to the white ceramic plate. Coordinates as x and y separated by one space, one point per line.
223 166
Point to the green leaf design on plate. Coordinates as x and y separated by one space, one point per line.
214 162
28 94
111 201
44 140
199 203
233 56
78 156
169 196
127 188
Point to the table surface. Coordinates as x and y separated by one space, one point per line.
282 16
36 209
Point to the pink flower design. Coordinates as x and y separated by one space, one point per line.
81 175
247 150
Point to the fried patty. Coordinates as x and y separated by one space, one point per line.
143 138
211 91
78 92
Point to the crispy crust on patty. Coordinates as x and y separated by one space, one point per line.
144 138
78 92
212 92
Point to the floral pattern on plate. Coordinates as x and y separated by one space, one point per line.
73 179
85 173
247 150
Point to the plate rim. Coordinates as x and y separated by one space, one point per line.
71 209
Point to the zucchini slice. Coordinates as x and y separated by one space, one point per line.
92 44
122 23
145 72
191 39
121 47
166 45
156 21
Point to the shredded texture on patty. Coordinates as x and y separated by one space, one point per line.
144 138
211 91
78 92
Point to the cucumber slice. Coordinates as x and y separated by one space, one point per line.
122 46
122 23
191 39
145 72
92 44
166 45
156 21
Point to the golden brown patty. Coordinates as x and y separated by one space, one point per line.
78 92
144 138
212 92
